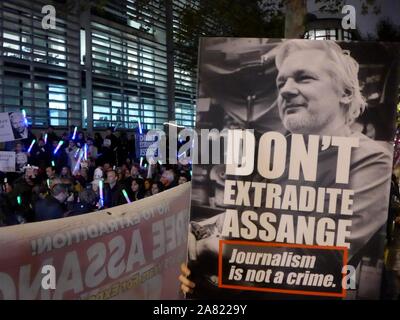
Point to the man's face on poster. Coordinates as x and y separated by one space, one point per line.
309 98
18 122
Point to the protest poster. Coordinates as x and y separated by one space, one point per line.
297 206
13 126
143 142
7 161
132 251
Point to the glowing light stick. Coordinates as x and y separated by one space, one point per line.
78 163
191 152
24 115
52 163
141 161
101 193
48 183
126 196
73 136
85 151
60 143
19 201
149 173
76 153
191 173
32 143
45 138
182 154
140 126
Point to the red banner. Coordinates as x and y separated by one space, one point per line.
131 251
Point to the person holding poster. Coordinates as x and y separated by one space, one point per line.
319 193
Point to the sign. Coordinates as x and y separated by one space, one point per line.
12 126
131 251
7 161
298 208
142 143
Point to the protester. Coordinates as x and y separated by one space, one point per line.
156 187
72 153
92 149
147 187
98 141
41 154
80 139
65 172
85 203
112 191
52 207
183 177
51 135
137 189
51 173
168 179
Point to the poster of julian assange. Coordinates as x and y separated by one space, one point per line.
13 126
300 212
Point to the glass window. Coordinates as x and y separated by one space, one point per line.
101 109
58 118
123 62
11 46
57 101
10 36
83 45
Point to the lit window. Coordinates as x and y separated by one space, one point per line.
10 36
57 99
83 45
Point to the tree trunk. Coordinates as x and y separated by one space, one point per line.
296 11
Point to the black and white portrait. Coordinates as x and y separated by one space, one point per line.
19 127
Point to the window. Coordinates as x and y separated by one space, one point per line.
131 79
328 34
57 99
185 83
82 45
41 82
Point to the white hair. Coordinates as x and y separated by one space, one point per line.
345 71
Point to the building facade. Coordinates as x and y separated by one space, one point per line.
107 64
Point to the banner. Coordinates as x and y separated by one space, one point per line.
13 126
297 206
132 251
7 161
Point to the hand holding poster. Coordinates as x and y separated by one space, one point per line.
302 202
131 251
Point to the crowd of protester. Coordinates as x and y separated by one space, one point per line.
67 175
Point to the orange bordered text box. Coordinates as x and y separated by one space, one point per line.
224 243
